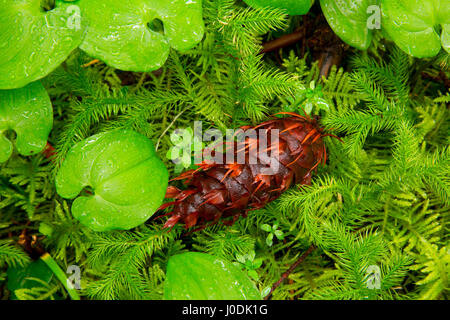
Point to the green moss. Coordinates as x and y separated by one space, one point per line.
377 212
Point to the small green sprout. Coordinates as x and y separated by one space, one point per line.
249 263
273 231
307 100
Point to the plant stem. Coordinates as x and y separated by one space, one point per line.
331 56
167 129
140 83
51 263
290 270
283 41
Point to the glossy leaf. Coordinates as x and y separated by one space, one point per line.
128 179
27 111
348 19
418 27
200 276
33 42
126 36
292 7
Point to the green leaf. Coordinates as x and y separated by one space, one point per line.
266 291
269 239
308 106
19 277
173 153
46 229
279 234
253 274
27 111
413 25
292 7
257 263
199 276
322 104
176 138
251 255
128 179
266 227
33 42
11 255
186 160
125 36
348 19
240 258
5 225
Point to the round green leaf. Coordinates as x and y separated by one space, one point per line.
348 19
27 111
292 7
418 27
200 276
33 42
128 179
125 37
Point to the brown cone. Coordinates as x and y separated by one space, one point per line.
230 190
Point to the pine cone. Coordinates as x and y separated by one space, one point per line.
216 191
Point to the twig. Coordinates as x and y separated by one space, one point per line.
140 83
332 56
49 151
290 270
168 127
440 78
283 41
95 61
